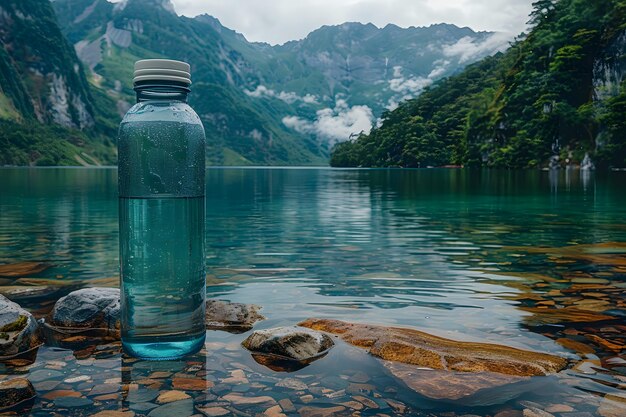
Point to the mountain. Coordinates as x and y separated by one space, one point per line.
67 79
556 97
44 95
372 66
283 104
342 77
109 38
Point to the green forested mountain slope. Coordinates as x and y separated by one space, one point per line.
556 95
45 100
269 104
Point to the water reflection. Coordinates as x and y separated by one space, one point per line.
393 246
459 253
65 216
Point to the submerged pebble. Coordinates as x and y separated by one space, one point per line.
15 391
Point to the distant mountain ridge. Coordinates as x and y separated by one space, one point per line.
260 104
356 71
355 57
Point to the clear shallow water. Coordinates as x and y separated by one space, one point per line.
466 255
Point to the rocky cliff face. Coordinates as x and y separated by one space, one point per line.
340 79
609 69
42 77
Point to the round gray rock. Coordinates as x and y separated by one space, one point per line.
297 343
18 329
95 308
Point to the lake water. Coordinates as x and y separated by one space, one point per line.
525 259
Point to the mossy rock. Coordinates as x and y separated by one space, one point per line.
18 329
16 326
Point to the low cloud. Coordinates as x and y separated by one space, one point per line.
440 68
287 97
334 125
467 49
408 88
411 85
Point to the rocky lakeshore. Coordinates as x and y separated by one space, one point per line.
320 367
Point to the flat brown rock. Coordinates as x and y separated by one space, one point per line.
171 396
562 315
61 393
15 391
191 384
445 385
577 347
113 413
615 347
22 269
320 411
242 400
213 411
422 349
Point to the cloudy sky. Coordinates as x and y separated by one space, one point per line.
278 21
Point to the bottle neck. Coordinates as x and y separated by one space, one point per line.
161 91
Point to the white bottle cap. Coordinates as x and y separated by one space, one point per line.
162 70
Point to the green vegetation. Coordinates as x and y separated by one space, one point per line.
555 92
46 145
232 158
34 45
16 326
48 110
7 110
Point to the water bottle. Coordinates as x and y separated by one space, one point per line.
161 153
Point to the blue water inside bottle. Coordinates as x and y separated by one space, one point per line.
164 276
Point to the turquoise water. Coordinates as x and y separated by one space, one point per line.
525 259
162 245
418 248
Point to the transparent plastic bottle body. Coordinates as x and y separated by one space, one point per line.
162 214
